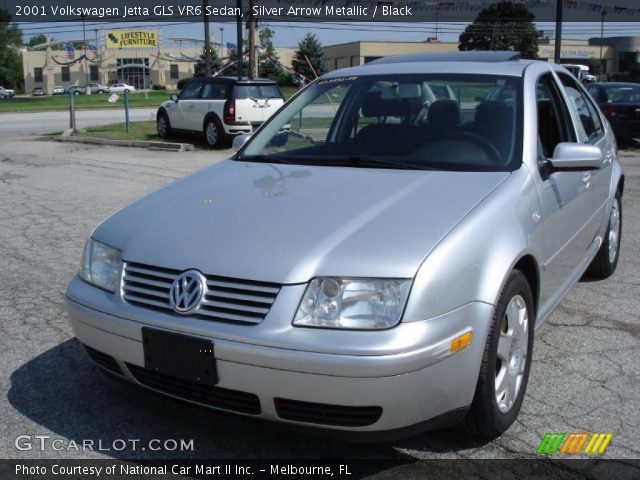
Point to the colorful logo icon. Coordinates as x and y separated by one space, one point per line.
574 442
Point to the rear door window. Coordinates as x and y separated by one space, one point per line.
215 91
589 125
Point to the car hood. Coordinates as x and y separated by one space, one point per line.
289 223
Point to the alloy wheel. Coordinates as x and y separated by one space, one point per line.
512 355
614 231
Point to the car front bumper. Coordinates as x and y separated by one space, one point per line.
300 385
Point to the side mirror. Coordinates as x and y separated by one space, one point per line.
174 97
240 140
576 157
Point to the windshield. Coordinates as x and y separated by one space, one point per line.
256 91
444 122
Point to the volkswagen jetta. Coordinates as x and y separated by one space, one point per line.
372 258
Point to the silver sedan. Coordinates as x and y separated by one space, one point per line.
375 258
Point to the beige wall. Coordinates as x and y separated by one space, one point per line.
159 66
355 53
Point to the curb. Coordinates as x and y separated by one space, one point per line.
157 146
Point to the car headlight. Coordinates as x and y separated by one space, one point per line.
356 304
101 265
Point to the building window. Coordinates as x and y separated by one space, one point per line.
37 75
93 73
66 74
175 72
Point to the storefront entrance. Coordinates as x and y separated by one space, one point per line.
134 71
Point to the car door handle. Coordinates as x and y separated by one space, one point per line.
586 179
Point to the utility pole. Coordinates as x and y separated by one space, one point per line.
252 42
558 42
602 70
239 47
221 42
87 89
207 39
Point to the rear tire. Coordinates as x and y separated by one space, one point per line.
214 133
506 361
606 260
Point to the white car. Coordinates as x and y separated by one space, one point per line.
7 93
121 88
220 107
57 90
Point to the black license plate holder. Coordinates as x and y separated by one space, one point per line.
181 356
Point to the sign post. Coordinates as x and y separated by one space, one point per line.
126 110
72 111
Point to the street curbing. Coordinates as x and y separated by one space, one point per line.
158 146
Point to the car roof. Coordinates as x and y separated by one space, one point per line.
234 80
501 63
616 84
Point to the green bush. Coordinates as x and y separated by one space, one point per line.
158 87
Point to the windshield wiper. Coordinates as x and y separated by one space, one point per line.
371 162
265 159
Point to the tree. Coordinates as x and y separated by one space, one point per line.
309 52
38 40
232 71
502 26
10 60
266 68
200 70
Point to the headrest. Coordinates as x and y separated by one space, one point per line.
444 112
375 106
491 111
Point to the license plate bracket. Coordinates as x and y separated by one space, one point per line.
181 356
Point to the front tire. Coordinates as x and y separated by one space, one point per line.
506 361
163 125
214 133
606 260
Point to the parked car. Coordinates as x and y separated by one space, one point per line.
374 269
76 90
97 88
7 93
38 92
220 107
620 103
121 88
57 90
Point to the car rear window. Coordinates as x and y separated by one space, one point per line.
257 91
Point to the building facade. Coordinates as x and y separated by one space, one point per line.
616 53
135 57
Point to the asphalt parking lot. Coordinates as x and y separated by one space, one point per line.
585 376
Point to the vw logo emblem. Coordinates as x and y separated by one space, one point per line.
186 291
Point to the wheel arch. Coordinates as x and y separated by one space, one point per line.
208 117
528 265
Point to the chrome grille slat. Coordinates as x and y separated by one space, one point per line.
235 306
229 316
225 299
242 286
154 273
147 291
241 296
147 301
141 280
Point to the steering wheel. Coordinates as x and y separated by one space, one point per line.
486 146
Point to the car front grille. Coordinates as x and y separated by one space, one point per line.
225 299
325 414
217 397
